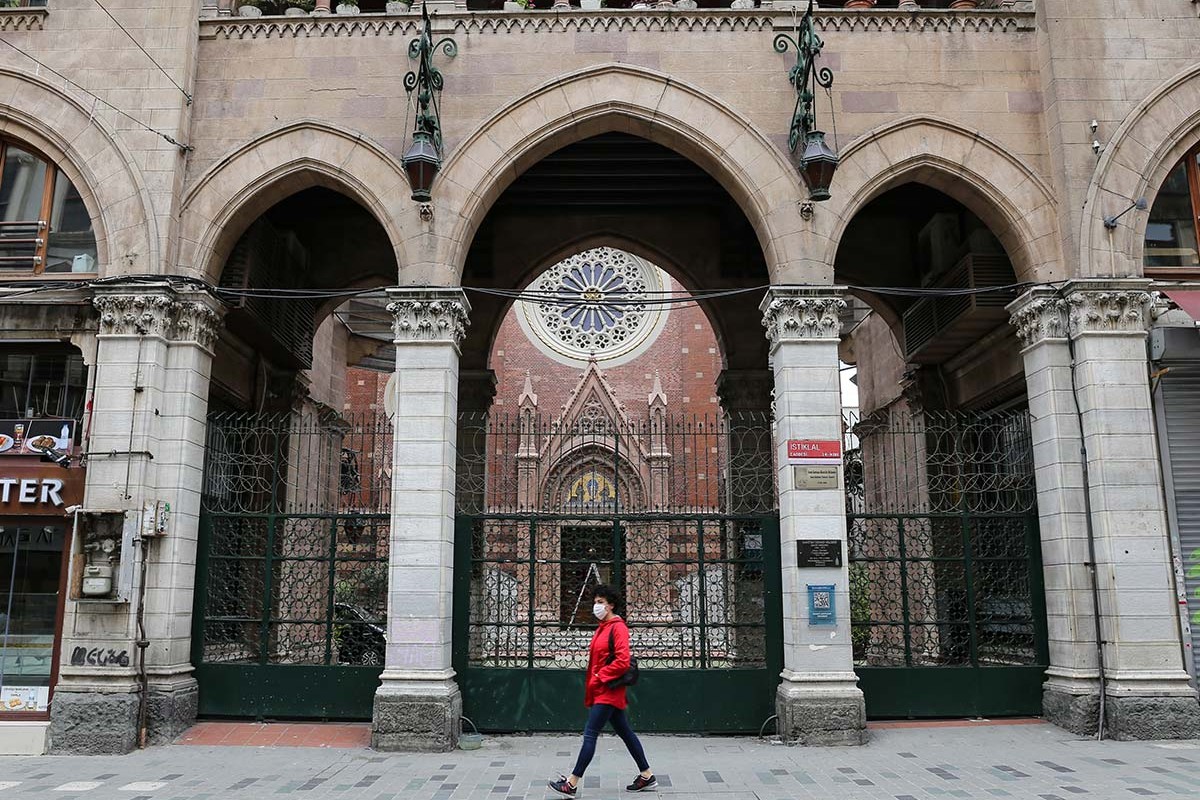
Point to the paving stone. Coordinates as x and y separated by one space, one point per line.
1029 761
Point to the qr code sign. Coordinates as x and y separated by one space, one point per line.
821 600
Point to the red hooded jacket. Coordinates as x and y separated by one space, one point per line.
599 671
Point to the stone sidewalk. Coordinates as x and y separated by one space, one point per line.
968 760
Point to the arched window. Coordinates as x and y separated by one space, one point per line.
1171 248
44 226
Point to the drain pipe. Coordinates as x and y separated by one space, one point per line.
1091 537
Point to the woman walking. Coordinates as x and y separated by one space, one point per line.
608 660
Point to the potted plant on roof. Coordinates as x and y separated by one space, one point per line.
298 8
347 7
591 5
860 3
397 6
962 4
250 8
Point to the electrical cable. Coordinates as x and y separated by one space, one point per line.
187 148
22 288
139 47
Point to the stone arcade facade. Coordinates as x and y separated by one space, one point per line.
965 139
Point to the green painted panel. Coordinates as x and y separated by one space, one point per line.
283 691
665 701
930 692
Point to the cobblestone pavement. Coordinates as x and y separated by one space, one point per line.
971 761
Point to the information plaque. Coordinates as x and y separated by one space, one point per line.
818 553
821 610
816 476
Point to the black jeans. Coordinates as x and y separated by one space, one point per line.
600 715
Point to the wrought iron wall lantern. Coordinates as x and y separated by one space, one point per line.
818 161
423 158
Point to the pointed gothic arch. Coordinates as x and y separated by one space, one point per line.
1147 145
244 183
1015 203
103 170
624 98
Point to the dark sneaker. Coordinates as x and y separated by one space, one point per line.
641 784
564 787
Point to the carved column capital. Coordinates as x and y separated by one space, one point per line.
1040 315
158 310
795 313
1116 306
144 313
198 318
429 315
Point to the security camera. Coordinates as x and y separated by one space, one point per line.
1096 146
55 456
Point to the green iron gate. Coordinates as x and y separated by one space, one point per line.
947 602
290 606
677 513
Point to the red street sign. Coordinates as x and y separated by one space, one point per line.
815 451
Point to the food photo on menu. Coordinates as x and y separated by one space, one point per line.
36 436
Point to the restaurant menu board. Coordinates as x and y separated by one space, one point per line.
32 437
24 698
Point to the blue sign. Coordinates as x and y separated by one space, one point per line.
821 607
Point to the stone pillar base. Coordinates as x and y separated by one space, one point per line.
1137 718
1076 712
821 719
1126 717
171 711
93 723
416 720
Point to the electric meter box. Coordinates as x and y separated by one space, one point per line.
103 553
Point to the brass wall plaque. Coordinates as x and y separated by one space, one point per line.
816 476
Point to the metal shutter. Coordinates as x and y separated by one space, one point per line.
1180 419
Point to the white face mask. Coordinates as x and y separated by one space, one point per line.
600 610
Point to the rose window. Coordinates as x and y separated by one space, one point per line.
594 304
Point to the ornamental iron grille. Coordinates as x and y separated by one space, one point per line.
679 513
945 567
291 594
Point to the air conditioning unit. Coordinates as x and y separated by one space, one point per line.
266 257
936 328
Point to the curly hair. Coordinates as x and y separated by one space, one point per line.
611 594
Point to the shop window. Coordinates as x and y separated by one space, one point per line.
1171 246
41 385
44 226
31 569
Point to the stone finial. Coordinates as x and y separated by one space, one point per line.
800 314
429 315
528 398
657 396
1039 315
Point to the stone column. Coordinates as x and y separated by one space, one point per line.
818 701
418 705
146 443
1097 328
